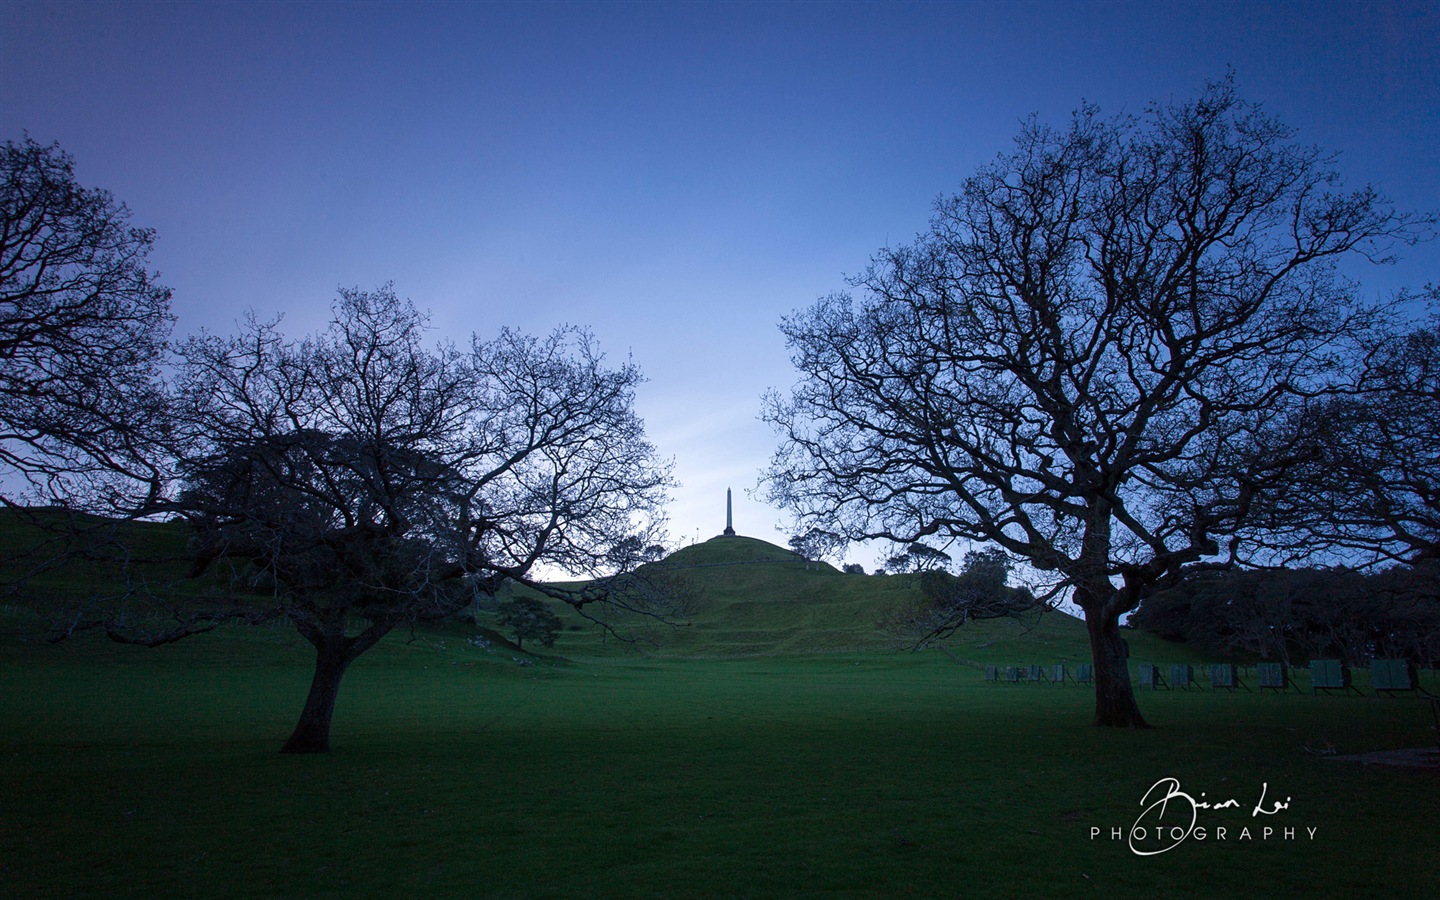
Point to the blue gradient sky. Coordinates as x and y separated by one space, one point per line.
674 176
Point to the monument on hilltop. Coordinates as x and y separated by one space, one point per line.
729 521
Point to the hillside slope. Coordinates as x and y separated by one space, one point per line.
757 599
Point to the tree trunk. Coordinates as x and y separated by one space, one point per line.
312 733
1114 697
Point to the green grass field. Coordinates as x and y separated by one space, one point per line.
711 764
459 773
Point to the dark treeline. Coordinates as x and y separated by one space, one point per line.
1301 614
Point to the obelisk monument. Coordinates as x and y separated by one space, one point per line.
729 522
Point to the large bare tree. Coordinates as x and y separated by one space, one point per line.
83 326
359 480
1076 361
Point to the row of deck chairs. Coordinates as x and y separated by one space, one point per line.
1387 676
1056 674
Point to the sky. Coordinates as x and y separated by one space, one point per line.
676 177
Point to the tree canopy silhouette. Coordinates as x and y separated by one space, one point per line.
1079 358
358 480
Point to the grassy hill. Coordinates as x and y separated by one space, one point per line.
758 599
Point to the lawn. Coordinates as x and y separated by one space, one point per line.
458 772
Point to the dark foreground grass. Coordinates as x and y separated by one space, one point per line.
458 773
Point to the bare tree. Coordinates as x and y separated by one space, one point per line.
1074 362
357 480
83 325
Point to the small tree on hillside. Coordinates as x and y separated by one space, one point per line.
815 544
529 619
946 602
917 558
